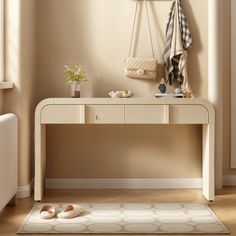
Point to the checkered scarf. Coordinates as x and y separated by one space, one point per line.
172 63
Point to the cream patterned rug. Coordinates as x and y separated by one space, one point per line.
145 218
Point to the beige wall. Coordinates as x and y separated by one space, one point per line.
96 34
21 69
1 101
227 89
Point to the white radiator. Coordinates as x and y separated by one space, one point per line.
8 158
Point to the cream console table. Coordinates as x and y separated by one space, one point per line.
126 111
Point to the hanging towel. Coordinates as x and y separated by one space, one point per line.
178 41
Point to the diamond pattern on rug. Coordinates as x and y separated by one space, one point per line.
130 218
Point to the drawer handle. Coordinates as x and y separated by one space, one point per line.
96 117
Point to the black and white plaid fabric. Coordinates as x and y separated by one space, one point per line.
172 64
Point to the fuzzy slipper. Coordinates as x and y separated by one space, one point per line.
71 211
47 211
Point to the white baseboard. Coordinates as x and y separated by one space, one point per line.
229 180
25 190
123 183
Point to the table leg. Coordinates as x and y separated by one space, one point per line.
208 162
40 161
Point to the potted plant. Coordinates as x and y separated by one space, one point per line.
75 76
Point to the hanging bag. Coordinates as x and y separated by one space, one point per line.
137 67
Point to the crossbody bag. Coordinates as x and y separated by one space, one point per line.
139 67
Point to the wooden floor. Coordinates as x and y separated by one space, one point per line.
224 206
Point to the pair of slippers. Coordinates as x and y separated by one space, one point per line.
48 211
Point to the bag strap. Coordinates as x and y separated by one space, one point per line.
134 23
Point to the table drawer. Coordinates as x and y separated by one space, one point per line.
104 114
63 114
146 114
188 114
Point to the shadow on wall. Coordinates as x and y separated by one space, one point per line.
129 151
20 68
